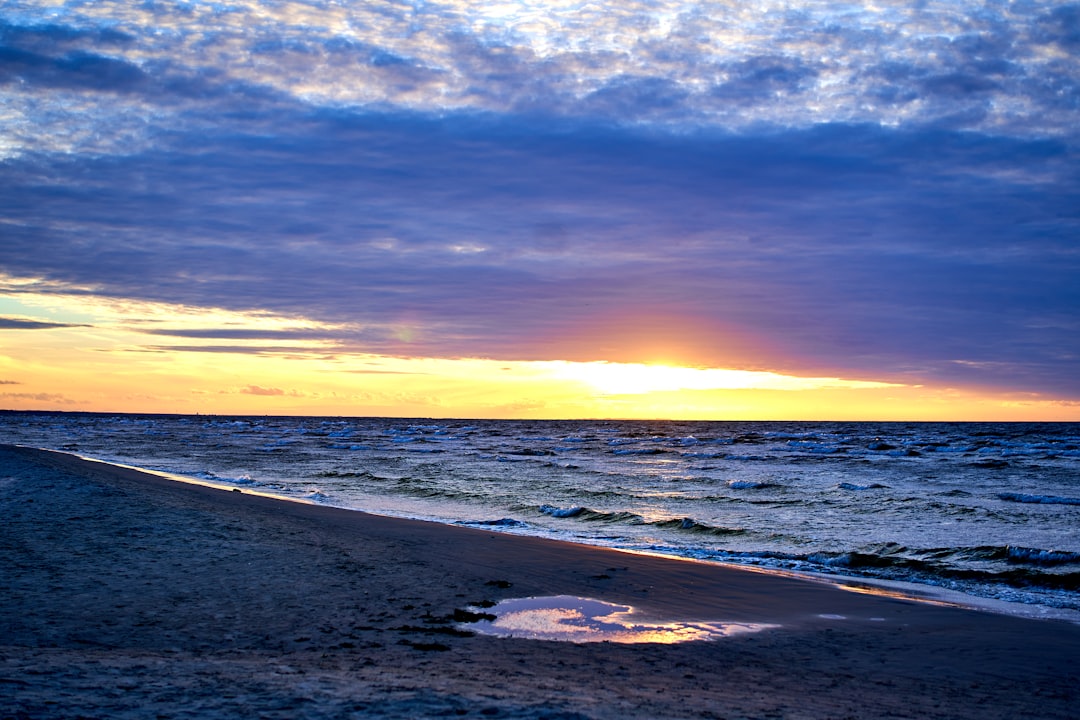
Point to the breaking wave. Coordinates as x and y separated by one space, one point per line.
681 524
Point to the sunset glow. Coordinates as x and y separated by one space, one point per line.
99 354
771 210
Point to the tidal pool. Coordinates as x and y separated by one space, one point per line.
577 619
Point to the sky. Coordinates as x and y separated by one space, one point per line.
658 209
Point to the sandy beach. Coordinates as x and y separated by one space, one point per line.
127 595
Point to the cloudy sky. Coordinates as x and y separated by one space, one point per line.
561 208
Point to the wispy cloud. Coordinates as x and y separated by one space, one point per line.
243 333
43 397
8 323
256 390
284 350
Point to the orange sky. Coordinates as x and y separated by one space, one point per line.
97 358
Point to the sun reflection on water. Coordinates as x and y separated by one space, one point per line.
576 619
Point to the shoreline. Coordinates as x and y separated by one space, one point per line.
918 592
131 594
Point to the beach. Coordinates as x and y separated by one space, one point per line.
131 595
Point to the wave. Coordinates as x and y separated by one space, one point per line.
750 484
338 474
681 524
1035 556
1038 499
240 480
990 464
561 512
1021 567
691 525
856 486
814 446
501 523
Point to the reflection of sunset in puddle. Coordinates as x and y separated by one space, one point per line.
577 619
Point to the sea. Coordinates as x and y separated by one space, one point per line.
987 510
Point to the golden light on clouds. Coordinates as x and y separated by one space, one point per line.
77 352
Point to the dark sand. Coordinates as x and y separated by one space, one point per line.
125 595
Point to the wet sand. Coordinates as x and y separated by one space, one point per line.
126 595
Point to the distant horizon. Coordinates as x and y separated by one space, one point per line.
9 411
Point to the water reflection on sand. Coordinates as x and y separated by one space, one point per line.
577 619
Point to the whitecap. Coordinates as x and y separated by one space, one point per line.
748 484
558 512
1038 499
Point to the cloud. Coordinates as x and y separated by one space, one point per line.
268 392
762 78
54 37
242 333
256 390
40 397
845 245
79 70
9 323
1060 26
625 94
284 350
668 63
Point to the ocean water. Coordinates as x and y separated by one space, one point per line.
990 510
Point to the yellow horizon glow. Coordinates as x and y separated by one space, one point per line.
104 361
615 378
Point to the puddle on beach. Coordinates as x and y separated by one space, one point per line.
580 620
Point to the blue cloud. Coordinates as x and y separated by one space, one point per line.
7 323
761 78
1060 26
636 95
75 70
972 66
52 37
241 333
854 247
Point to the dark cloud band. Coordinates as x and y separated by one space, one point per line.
7 323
